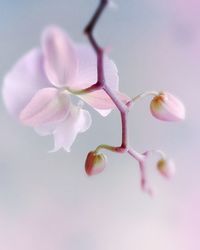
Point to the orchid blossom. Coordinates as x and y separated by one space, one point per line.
38 89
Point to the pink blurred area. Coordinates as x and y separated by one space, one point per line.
46 200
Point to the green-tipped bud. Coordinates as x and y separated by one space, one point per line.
167 107
95 163
166 167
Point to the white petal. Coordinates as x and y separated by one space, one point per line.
23 81
111 73
77 121
45 129
60 56
104 112
47 106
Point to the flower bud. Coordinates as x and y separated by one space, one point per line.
95 163
167 107
166 167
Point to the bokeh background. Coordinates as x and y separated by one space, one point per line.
46 200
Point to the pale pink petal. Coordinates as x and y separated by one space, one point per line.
104 112
111 73
23 81
101 102
60 56
167 107
47 106
77 121
87 69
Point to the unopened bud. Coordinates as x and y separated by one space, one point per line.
95 163
167 107
166 167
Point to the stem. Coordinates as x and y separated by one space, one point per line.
111 148
99 51
158 152
143 179
137 156
123 109
140 96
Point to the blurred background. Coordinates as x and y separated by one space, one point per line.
46 200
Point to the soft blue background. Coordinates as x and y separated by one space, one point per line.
46 200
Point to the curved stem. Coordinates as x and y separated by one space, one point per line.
136 155
140 96
114 149
89 32
146 187
123 109
158 152
99 51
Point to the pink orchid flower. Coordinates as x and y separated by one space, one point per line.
36 90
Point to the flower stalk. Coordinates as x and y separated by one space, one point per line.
123 108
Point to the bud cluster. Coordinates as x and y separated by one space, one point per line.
165 107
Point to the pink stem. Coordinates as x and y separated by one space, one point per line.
123 109
143 179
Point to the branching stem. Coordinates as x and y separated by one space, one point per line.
123 109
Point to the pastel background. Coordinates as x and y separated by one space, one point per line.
46 200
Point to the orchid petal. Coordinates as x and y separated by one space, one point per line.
87 69
23 81
100 101
60 56
47 106
77 121
46 129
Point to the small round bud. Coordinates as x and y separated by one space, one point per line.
95 163
166 167
167 107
